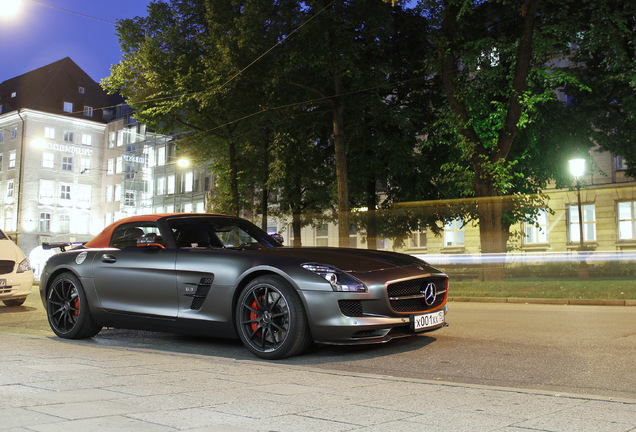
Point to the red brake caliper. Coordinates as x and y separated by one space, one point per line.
254 315
76 304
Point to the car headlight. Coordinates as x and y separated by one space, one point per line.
339 280
23 266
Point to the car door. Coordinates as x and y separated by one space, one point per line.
136 280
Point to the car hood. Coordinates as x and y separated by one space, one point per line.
350 260
10 252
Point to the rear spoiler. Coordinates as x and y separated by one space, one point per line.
62 245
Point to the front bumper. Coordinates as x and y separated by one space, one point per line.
17 285
330 325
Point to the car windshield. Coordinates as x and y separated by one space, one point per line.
219 233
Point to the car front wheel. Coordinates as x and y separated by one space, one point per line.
67 309
271 320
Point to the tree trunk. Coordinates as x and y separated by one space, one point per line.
491 231
372 221
235 202
296 225
341 164
264 212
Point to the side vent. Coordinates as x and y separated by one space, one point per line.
203 289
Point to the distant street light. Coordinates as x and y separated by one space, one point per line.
577 169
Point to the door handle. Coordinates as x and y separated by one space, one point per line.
107 258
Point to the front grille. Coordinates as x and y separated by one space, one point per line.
6 266
352 308
409 295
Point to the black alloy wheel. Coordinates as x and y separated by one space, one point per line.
271 320
67 309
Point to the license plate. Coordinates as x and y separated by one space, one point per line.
421 322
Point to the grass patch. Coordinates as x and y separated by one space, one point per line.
593 289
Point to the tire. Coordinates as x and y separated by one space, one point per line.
14 302
67 309
270 319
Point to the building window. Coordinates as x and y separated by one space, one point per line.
87 139
14 132
161 156
161 186
14 94
589 223
1 134
129 198
88 111
10 186
129 172
68 136
12 159
111 139
65 191
68 107
120 138
117 192
85 165
64 224
110 167
417 240
353 236
84 193
627 220
537 232
187 182
45 222
48 160
454 233
119 164
81 90
171 184
621 164
47 188
49 132
67 163
109 193
322 235
1 159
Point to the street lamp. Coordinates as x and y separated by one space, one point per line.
577 169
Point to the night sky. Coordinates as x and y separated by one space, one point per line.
40 34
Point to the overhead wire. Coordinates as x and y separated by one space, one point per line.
237 74
72 12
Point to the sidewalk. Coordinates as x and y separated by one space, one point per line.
49 384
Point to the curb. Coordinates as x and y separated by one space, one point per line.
578 302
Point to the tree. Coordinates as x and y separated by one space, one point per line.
187 68
502 65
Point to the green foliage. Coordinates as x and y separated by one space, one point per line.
442 102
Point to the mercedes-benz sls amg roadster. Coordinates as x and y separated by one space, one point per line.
223 276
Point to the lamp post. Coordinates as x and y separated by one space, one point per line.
577 169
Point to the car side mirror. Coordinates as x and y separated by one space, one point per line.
278 237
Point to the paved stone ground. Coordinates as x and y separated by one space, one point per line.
48 385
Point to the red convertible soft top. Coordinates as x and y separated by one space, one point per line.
102 240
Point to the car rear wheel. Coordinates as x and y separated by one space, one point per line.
67 309
271 320
14 302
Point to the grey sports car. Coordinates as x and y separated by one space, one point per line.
223 276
